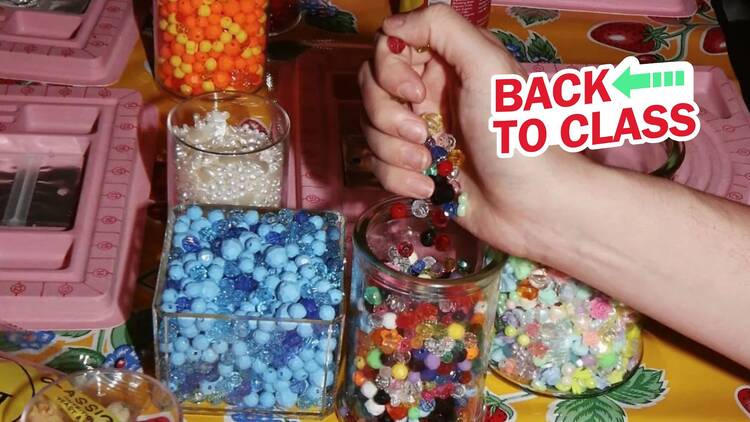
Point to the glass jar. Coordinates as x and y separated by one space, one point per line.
209 46
557 336
229 148
417 347
284 15
103 395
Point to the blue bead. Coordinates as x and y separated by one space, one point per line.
205 257
215 215
334 234
239 348
201 342
428 375
297 311
327 313
298 386
251 217
182 304
288 292
181 344
269 375
177 359
295 363
260 273
301 216
450 208
276 256
215 272
438 153
251 400
317 221
261 337
247 265
193 290
169 296
292 250
209 356
245 283
191 244
231 249
318 248
271 282
286 398
181 227
194 212
220 346
231 270
243 362
305 330
198 306
301 374
210 290
275 238
311 307
336 296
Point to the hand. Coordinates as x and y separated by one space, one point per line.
454 75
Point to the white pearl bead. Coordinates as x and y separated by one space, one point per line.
369 389
389 320
373 408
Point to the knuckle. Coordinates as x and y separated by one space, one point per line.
364 70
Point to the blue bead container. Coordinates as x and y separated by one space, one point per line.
249 310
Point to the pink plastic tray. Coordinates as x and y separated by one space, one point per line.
665 8
89 49
82 277
717 162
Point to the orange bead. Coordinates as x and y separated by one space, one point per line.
178 49
233 48
252 67
193 79
201 57
226 63
213 32
526 290
221 79
167 37
172 7
166 70
191 22
163 11
472 352
252 27
169 82
165 52
239 19
216 8
260 11
196 34
231 8
188 58
184 7
214 54
214 19
202 21
477 319
199 68
247 5
396 413
359 378
240 63
196 3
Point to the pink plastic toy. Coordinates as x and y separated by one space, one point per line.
73 190
73 49
664 8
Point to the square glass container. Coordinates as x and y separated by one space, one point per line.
236 379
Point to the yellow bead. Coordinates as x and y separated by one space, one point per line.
523 340
178 73
225 37
209 86
510 331
175 61
172 29
181 38
256 51
234 29
204 10
360 362
399 371
434 123
241 36
163 24
210 64
187 68
204 46
247 53
225 22
262 19
218 46
172 18
186 89
456 331
191 47
633 332
262 31
259 72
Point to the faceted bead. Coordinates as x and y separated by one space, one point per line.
450 209
444 168
446 141
438 153
405 249
439 219
443 192
381 397
396 45
372 295
399 210
463 266
430 142
442 243
427 238
526 290
457 157
420 208
431 171
434 123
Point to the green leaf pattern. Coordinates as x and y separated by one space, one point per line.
536 49
76 359
645 388
341 22
528 17
120 336
592 409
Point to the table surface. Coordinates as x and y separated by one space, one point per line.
679 380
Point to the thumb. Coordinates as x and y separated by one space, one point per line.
452 37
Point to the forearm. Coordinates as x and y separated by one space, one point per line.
677 255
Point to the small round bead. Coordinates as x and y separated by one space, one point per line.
442 242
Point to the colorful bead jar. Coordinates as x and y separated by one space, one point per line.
230 148
248 311
418 345
210 45
557 336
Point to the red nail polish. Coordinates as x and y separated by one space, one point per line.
396 45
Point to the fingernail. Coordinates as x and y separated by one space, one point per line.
414 159
396 45
413 130
408 91
395 21
420 187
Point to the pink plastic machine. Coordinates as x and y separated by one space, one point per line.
664 8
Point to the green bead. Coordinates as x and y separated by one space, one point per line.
607 360
521 267
461 210
447 357
414 413
463 199
372 296
463 266
548 296
373 359
432 171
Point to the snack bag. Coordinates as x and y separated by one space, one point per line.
475 11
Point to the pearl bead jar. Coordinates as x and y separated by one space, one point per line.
557 336
230 148
248 310
418 347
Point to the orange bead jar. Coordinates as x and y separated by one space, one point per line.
210 45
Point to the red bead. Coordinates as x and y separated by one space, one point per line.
399 210
405 320
439 219
445 369
465 377
405 249
396 413
444 168
442 242
396 45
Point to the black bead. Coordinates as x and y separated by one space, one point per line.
459 316
443 192
385 417
388 360
427 237
416 365
436 416
459 356
381 397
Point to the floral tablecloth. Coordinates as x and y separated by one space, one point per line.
679 380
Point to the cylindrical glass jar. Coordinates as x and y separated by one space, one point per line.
557 336
209 46
230 149
417 347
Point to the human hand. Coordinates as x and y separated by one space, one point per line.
453 78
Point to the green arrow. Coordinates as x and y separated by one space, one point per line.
627 81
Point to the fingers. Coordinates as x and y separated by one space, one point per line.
386 114
394 70
395 151
450 36
402 182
